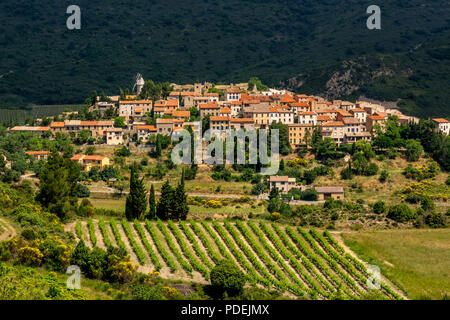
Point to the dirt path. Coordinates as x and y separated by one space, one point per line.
8 230
340 241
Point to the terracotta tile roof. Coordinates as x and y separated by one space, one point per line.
329 189
350 121
441 120
172 103
233 90
216 118
236 102
146 127
307 113
251 101
164 120
57 124
225 110
77 157
376 117
136 102
323 118
299 104
209 106
287 99
181 113
333 124
100 158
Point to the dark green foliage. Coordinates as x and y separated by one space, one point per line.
413 150
447 182
436 220
97 263
83 191
58 185
310 195
427 204
136 203
259 188
227 279
384 175
401 213
379 207
254 49
283 134
165 203
152 204
123 152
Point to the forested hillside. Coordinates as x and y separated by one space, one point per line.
43 62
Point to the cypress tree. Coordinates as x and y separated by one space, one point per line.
181 208
164 208
158 150
136 203
152 204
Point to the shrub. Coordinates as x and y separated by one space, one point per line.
83 191
447 182
227 278
310 195
379 207
384 175
347 174
412 198
436 220
371 170
428 204
30 256
275 216
401 213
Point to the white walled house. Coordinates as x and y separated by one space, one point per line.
443 125
307 117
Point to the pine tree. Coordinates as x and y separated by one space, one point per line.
152 204
136 203
164 208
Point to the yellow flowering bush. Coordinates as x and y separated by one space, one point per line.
298 162
30 256
172 293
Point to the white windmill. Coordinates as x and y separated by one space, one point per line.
138 83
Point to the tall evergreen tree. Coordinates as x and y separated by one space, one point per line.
58 185
158 150
152 204
136 203
181 208
164 208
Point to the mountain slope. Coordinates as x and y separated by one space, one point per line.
43 62
418 81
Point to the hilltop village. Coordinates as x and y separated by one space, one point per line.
136 118
103 179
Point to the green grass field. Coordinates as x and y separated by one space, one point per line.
418 261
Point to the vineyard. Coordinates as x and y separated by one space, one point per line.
16 117
291 260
